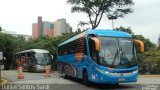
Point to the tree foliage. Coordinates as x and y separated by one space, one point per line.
0 29
128 29
95 9
9 45
150 62
159 43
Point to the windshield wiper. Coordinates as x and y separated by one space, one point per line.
114 58
126 58
44 61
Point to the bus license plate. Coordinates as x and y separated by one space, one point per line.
121 79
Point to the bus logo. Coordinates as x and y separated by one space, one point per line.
122 62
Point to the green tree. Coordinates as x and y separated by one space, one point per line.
148 44
0 29
7 46
128 29
95 9
10 45
151 62
159 43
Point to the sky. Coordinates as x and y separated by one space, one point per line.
18 16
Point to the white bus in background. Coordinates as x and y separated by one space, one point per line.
35 60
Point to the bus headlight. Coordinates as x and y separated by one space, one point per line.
102 71
136 71
38 66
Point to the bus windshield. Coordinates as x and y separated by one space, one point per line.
43 58
117 52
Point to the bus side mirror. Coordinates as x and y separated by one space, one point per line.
140 43
52 57
4 58
97 43
35 56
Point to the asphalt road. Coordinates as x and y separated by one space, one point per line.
37 81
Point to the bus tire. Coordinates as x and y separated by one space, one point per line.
85 78
116 84
32 69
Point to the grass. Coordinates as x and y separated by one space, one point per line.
3 82
149 76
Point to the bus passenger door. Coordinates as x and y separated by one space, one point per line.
94 55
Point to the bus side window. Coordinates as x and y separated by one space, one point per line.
81 45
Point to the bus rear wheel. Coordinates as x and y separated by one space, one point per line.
32 69
116 84
85 78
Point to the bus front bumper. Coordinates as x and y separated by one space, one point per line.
40 68
114 78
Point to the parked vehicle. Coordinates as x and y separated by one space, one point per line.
34 60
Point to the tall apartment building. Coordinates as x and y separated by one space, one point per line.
61 26
42 28
50 28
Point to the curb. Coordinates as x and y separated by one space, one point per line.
4 82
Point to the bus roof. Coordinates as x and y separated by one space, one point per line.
99 32
34 50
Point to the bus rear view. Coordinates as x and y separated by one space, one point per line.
108 57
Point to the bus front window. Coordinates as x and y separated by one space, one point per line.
116 52
108 51
127 52
43 58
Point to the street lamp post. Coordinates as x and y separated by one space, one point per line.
159 41
111 17
1 57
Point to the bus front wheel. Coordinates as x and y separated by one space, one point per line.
85 78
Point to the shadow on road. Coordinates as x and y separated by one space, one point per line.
107 86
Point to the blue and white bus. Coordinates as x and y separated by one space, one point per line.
101 56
